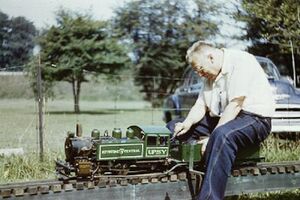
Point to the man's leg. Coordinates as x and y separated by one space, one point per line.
222 147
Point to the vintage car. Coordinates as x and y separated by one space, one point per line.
286 119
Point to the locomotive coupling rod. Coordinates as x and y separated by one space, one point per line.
61 164
196 172
174 167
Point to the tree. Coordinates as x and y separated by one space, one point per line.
272 26
17 41
159 33
78 45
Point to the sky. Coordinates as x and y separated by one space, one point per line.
42 13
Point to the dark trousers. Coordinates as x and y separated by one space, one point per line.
245 130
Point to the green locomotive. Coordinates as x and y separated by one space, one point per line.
144 149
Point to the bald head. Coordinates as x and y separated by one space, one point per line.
200 47
205 59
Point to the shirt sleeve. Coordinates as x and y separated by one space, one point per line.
241 77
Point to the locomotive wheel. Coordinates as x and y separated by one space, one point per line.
124 170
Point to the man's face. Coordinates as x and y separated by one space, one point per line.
204 66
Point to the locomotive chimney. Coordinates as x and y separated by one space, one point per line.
78 130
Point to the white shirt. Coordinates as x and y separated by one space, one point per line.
241 75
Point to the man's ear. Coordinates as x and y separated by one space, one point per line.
210 58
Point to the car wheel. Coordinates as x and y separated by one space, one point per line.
168 117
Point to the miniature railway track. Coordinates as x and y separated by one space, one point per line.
47 189
175 185
264 177
264 168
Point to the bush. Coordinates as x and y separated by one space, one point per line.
15 86
27 167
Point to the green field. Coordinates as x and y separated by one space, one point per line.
19 119
105 104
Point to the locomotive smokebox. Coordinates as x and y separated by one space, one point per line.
77 147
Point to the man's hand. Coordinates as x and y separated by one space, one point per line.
181 128
196 113
231 110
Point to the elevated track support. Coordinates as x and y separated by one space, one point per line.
177 185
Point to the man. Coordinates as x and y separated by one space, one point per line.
233 109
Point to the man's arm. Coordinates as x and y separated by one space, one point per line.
231 110
230 113
196 113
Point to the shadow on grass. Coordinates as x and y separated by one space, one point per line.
96 112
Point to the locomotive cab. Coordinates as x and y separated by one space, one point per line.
156 140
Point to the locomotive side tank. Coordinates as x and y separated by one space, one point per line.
141 142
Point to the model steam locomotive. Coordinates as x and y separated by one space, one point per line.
144 149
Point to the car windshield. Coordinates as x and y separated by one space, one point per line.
191 78
195 78
269 69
